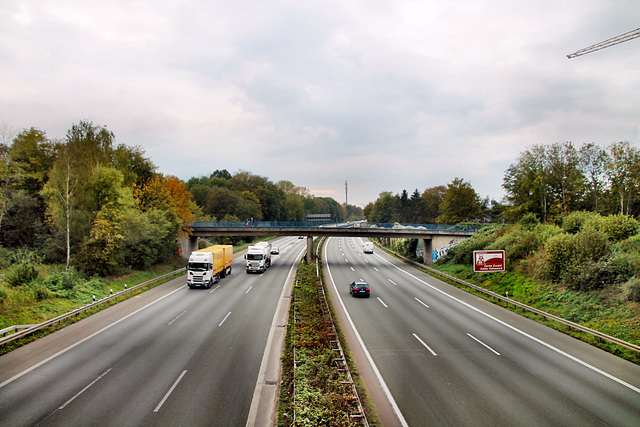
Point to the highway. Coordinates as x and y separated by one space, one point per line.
444 357
170 356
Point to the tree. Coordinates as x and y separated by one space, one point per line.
526 183
5 169
101 252
620 168
461 203
385 209
26 164
565 179
593 161
137 169
59 195
432 198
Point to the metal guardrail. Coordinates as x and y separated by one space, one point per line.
525 307
29 329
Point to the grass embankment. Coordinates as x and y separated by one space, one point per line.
315 391
32 305
57 292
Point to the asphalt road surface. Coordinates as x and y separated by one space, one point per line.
444 357
171 356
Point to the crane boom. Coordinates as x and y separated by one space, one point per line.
609 42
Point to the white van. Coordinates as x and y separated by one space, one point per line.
367 248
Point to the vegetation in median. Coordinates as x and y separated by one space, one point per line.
313 390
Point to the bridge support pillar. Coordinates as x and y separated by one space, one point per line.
309 249
193 245
428 250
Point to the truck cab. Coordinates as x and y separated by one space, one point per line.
200 270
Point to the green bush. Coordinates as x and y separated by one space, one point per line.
631 289
22 274
40 293
463 252
5 257
559 256
632 244
63 283
590 245
517 244
577 221
626 265
529 221
619 227
589 276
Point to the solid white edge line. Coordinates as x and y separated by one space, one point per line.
84 389
513 328
480 342
425 345
37 365
166 396
383 385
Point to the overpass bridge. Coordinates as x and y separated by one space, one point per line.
434 236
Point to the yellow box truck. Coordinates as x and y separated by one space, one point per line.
206 266
227 258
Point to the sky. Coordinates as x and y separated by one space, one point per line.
385 95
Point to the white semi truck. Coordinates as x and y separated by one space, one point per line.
258 257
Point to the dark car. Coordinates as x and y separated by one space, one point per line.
359 288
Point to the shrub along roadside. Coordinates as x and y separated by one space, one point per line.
315 393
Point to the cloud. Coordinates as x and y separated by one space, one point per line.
386 95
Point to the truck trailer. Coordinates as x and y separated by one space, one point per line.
206 266
258 257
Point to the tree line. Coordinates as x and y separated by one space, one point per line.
89 203
245 196
550 181
454 203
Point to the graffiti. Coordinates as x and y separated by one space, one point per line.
440 252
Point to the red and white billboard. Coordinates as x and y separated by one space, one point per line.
487 261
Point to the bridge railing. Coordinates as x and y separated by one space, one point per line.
309 224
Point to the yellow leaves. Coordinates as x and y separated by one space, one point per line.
166 193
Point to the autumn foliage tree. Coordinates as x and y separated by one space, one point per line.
88 203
